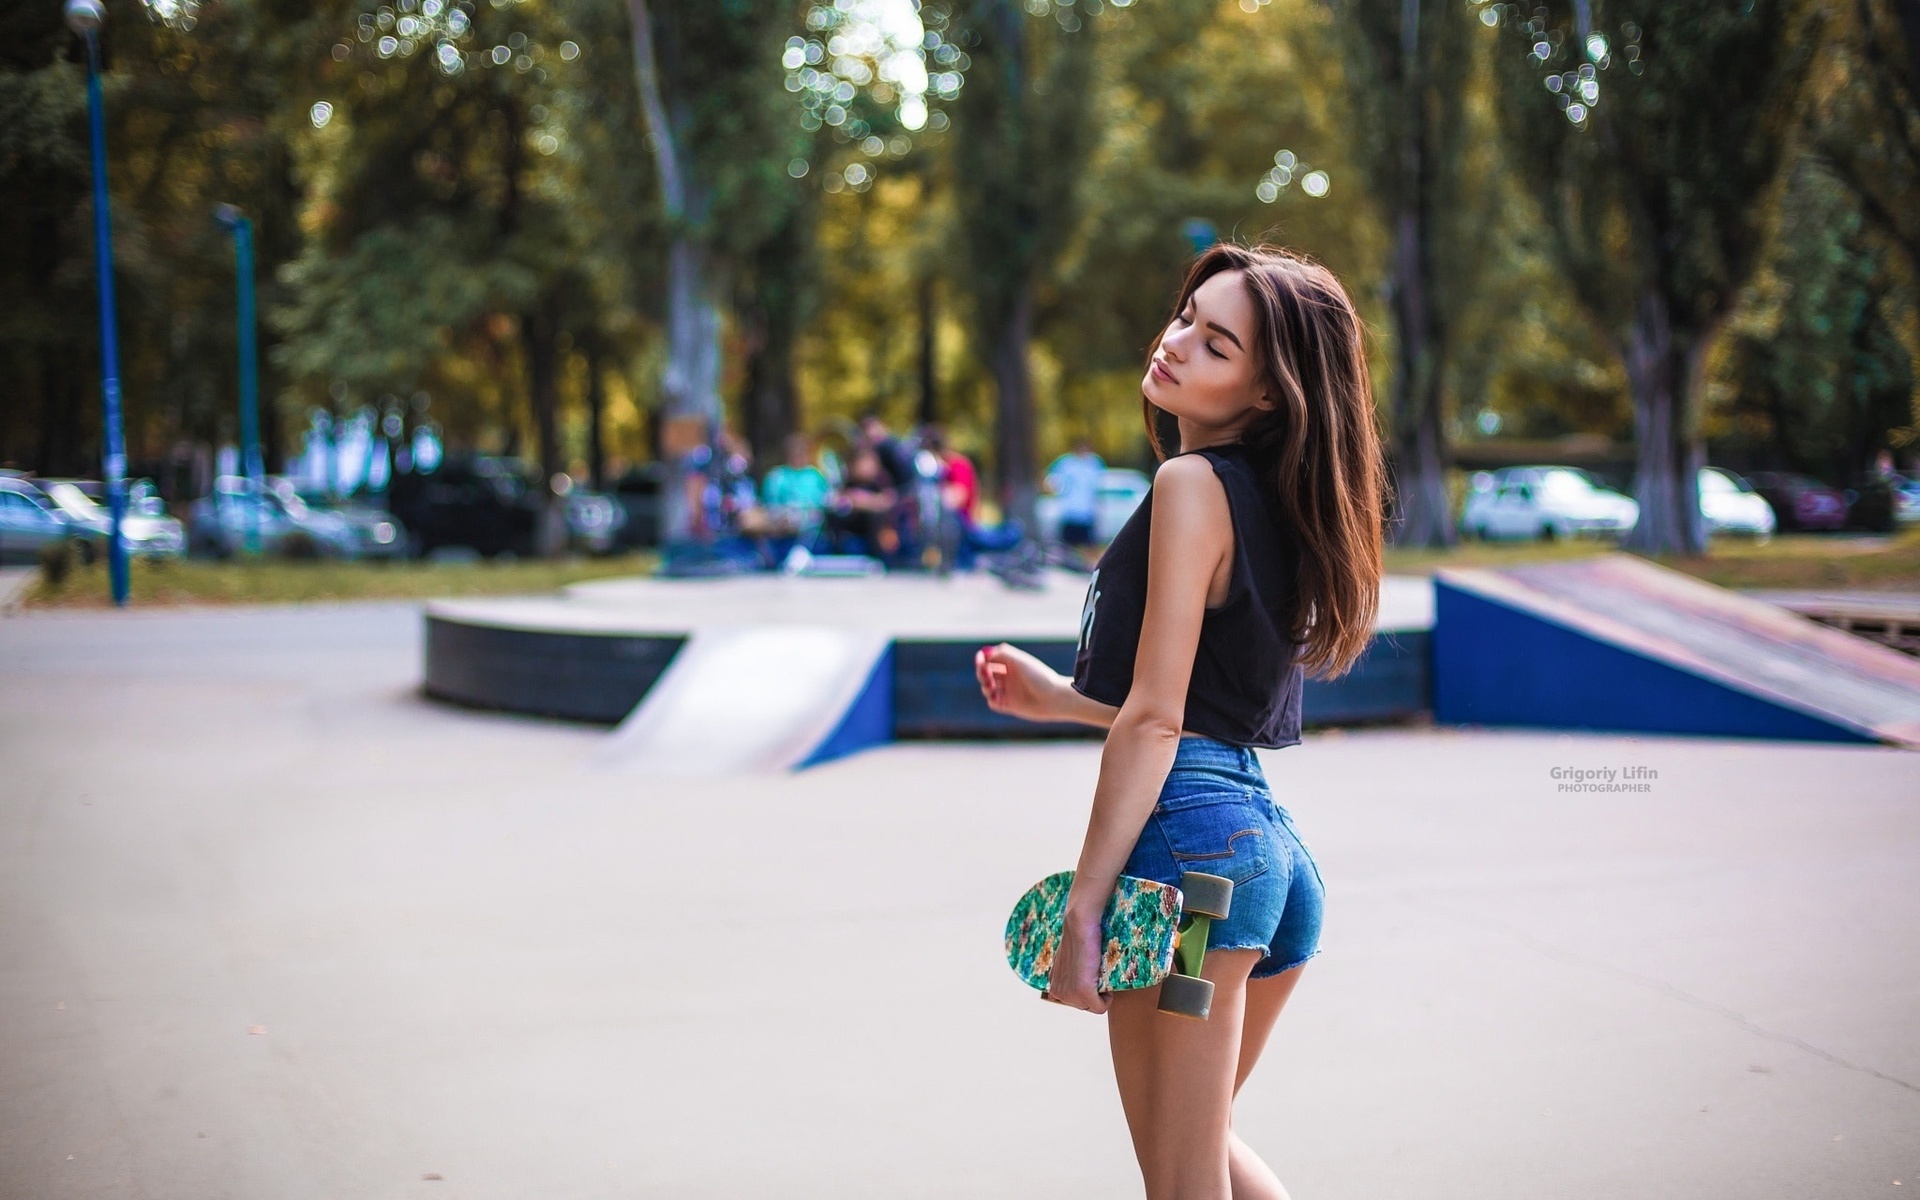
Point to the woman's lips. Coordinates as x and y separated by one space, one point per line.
1161 373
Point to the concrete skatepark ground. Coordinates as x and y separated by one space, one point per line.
271 925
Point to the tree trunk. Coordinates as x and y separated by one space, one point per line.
538 332
1013 433
690 384
929 380
769 408
1425 516
596 422
1661 374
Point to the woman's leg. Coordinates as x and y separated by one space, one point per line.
1177 1079
1252 1178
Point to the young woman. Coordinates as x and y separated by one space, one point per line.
1254 558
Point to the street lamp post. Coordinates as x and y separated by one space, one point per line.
250 459
85 17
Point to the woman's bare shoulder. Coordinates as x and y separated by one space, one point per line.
1188 482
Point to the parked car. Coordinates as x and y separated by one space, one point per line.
1800 502
220 524
478 502
372 531
28 521
1545 502
1728 504
1121 490
145 528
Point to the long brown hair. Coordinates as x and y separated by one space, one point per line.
1318 448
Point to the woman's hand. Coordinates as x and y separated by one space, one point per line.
1075 977
1016 683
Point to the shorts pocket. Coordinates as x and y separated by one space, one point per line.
1220 833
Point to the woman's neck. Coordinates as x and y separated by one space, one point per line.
1194 437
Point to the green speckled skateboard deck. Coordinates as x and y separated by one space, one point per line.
1141 924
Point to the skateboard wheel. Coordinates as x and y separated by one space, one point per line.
1206 895
1186 996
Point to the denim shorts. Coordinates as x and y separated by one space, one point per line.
1216 815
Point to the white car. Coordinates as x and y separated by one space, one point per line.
1121 490
1545 503
1728 504
145 528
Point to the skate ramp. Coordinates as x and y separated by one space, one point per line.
1618 643
761 698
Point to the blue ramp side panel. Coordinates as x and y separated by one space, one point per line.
868 720
1494 664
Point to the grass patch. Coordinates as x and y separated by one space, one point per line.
1420 561
1794 560
1812 561
164 582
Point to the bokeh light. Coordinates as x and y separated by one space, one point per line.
875 72
1287 168
1575 87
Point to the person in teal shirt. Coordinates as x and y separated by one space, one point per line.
796 489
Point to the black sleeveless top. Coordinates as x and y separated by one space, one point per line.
1246 680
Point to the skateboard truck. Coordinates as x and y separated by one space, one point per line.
1204 899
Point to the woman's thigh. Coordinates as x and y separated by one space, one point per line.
1265 998
1177 1078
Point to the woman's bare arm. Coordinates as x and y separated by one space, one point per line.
1016 683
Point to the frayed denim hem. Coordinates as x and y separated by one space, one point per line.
1260 970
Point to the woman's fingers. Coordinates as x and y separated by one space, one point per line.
987 672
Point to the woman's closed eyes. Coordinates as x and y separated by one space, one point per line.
1211 349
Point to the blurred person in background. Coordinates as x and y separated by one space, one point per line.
796 489
959 485
793 496
1075 478
859 517
896 457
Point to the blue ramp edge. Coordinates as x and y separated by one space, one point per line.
868 721
1495 664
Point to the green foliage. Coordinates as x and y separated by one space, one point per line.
493 235
1654 150
1818 376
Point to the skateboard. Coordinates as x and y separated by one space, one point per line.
1154 933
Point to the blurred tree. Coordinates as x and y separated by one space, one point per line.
723 132
1870 114
1817 373
452 219
1657 187
1408 63
1179 142
45 345
1867 130
192 123
1023 129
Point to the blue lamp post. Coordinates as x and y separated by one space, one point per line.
85 17
251 464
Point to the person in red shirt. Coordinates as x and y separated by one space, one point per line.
959 499
959 481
